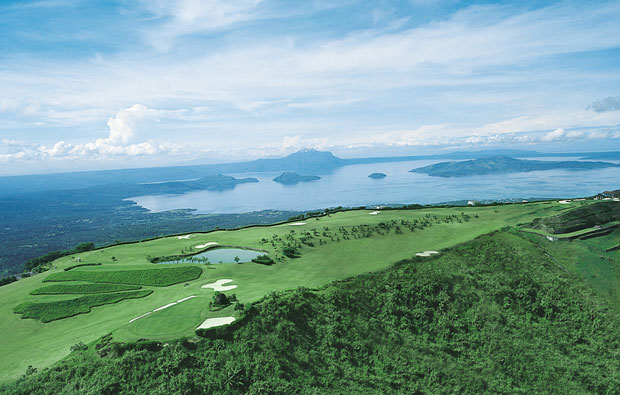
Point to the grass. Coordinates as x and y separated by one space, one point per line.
154 277
588 259
60 289
571 234
327 261
51 311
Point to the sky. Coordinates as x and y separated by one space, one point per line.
100 85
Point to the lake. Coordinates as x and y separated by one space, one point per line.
350 186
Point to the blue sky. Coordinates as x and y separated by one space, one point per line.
95 85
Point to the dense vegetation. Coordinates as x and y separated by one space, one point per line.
50 311
155 277
60 289
7 280
44 259
35 224
493 315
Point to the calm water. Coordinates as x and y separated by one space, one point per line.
224 255
350 186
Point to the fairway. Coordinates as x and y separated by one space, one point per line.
327 248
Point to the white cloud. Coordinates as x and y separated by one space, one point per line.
124 140
558 134
183 17
123 126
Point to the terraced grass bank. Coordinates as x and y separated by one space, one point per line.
62 289
50 311
153 277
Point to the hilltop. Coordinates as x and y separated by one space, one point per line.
496 310
504 164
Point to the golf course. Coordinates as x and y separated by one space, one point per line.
135 291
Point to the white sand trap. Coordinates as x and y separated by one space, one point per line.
184 237
211 243
564 201
137 318
297 223
211 322
164 307
375 212
184 299
426 253
219 285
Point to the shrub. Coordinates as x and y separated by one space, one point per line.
263 260
59 289
79 347
290 252
80 265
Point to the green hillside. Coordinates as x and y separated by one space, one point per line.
580 218
312 253
493 315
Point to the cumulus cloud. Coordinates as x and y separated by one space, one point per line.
125 138
611 103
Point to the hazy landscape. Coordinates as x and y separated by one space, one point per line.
319 197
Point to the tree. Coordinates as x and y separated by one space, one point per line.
237 259
79 347
290 252
83 247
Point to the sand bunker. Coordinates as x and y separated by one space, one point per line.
564 201
184 299
426 253
184 237
297 223
165 307
219 285
375 212
211 322
212 243
137 318
161 308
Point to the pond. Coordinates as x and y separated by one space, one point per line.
221 255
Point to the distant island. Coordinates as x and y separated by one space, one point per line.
291 178
377 176
217 182
503 164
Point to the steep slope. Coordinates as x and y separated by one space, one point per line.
579 218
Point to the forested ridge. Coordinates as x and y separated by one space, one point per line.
492 315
